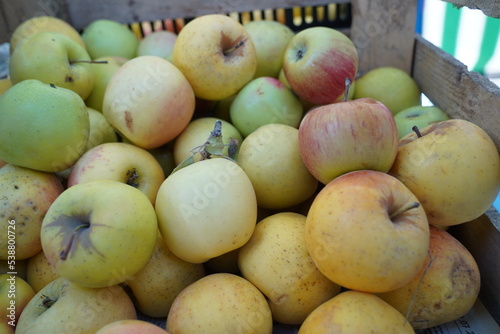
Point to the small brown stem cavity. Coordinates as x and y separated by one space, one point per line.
132 176
417 131
405 208
234 48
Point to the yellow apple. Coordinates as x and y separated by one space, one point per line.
216 54
131 326
15 295
40 272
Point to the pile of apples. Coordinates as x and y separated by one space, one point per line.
229 179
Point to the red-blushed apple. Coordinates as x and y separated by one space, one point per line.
65 307
99 233
149 101
445 288
216 54
120 162
345 136
131 326
317 62
366 231
453 167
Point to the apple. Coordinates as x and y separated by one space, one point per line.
5 84
104 37
44 127
317 62
419 116
206 209
92 245
445 288
31 26
165 157
356 312
345 136
158 43
120 162
453 167
265 100
40 272
149 101
392 86
25 197
366 231
65 307
157 284
216 54
271 158
270 39
277 262
220 303
100 130
197 132
5 328
131 326
102 74
53 58
222 108
15 294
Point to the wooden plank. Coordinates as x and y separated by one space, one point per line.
383 32
488 7
452 87
85 11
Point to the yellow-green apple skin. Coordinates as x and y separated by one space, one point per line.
197 132
5 84
277 262
53 58
149 101
317 62
445 288
120 162
25 197
5 328
158 43
43 23
345 136
102 74
209 50
262 101
243 309
206 209
65 307
271 158
161 280
40 272
105 37
131 326
270 39
93 245
354 312
453 169
165 157
15 294
43 127
419 116
366 231
390 85
100 130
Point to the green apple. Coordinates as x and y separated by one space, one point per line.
100 130
102 75
53 58
165 157
65 307
270 39
395 88
25 197
109 38
44 127
419 116
263 101
15 294
158 43
99 233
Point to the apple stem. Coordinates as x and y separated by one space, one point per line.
89 61
405 208
417 131
238 45
47 302
348 83
65 252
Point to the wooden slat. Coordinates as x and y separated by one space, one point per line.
383 32
452 87
488 7
83 12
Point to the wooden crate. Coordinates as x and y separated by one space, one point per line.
383 32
